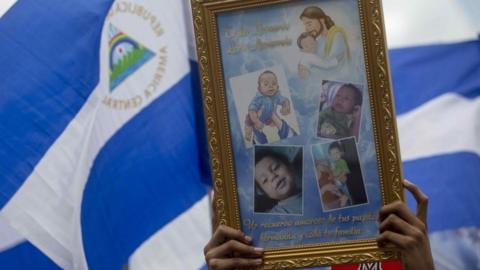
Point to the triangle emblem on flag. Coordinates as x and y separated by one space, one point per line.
126 56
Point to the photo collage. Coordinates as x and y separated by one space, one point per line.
299 110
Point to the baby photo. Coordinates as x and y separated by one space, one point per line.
264 106
340 107
278 180
339 174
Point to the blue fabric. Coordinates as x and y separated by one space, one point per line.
284 130
145 176
24 257
44 82
452 184
422 73
50 68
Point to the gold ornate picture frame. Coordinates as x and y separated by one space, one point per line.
301 126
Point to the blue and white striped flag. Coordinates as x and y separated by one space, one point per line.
438 106
102 140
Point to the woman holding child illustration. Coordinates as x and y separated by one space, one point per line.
331 44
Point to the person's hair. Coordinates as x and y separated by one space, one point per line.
263 153
302 37
334 145
266 72
356 92
313 12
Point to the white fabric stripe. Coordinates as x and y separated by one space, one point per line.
412 22
187 235
5 5
187 15
46 209
9 236
452 249
447 124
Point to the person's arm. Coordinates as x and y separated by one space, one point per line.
355 127
303 71
407 231
342 177
231 249
330 188
285 107
255 119
326 63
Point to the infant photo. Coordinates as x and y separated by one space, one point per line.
264 106
278 179
340 108
339 174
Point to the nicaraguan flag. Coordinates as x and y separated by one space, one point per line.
102 140
437 95
438 103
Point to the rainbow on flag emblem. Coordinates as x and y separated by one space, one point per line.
126 56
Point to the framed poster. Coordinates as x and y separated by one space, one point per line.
301 125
